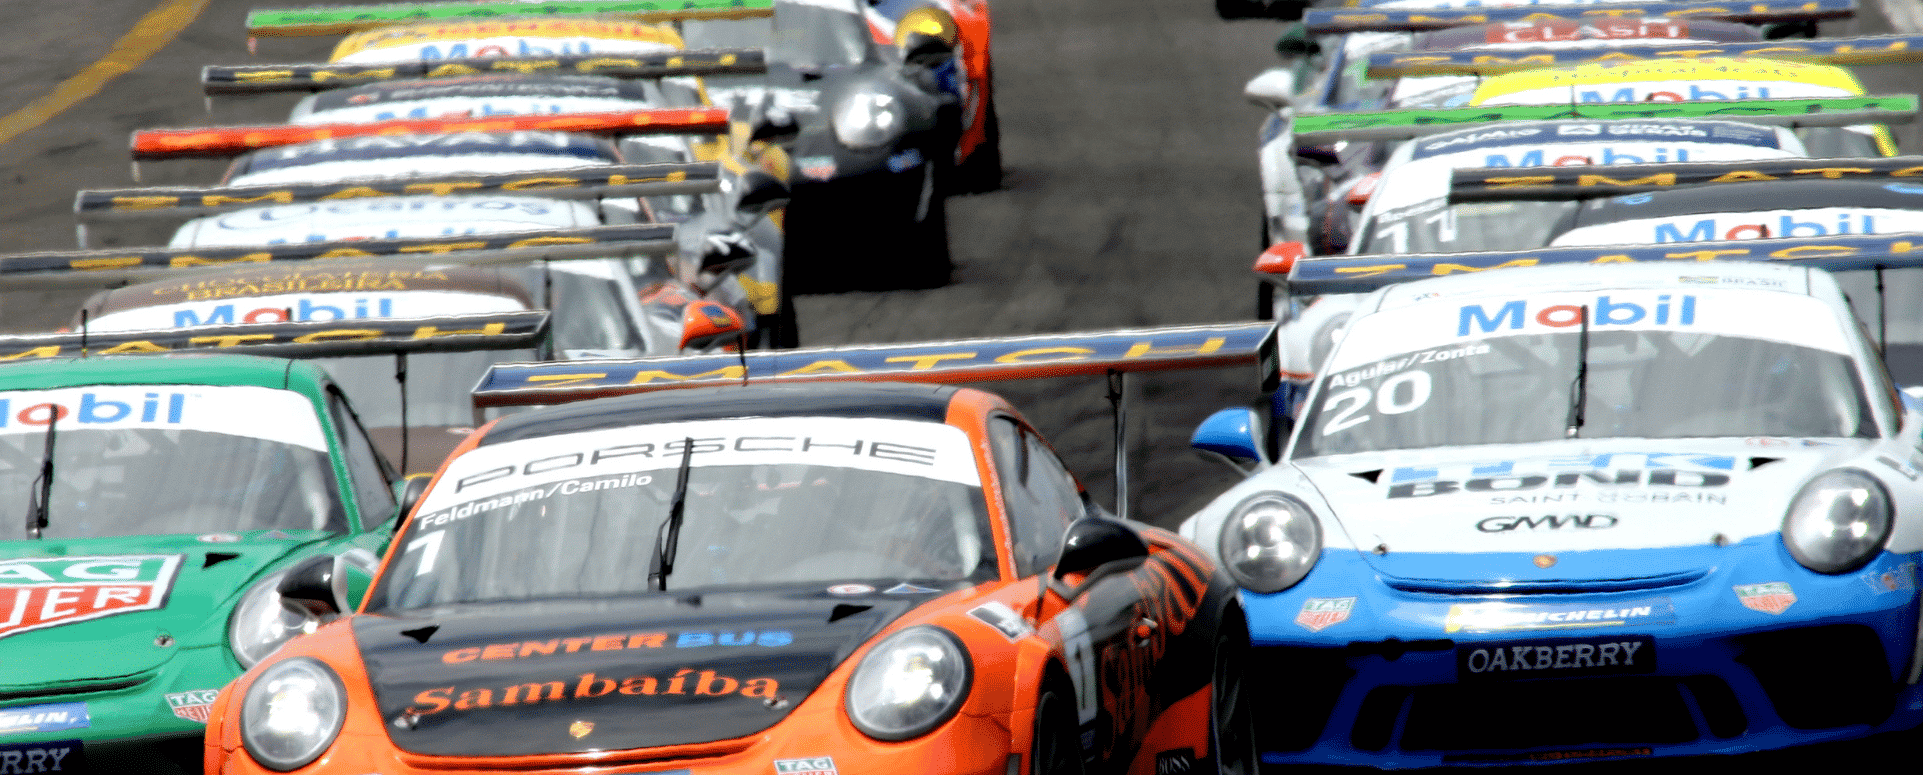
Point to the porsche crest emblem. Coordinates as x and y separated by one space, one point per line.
1545 560
580 729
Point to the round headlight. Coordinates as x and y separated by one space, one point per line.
1838 522
1270 542
292 713
260 623
867 118
909 684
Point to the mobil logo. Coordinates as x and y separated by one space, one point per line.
304 310
519 48
1707 230
92 409
37 593
479 111
1690 93
1563 157
1605 311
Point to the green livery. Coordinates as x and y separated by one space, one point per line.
1318 128
181 486
341 20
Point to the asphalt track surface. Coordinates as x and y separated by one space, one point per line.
1130 200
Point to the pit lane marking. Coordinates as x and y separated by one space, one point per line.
153 32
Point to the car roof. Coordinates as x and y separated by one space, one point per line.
896 401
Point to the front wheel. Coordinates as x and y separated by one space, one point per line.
1057 749
1231 719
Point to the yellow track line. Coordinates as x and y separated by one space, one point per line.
154 31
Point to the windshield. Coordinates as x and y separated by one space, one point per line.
1436 227
1511 373
438 385
152 460
804 35
769 501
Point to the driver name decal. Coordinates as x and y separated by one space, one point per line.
37 593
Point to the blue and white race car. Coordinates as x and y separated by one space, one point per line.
1576 512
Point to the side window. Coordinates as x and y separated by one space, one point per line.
370 474
1040 496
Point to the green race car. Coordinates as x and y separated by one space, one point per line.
158 502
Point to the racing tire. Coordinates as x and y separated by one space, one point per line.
1057 746
930 263
1231 716
1264 290
982 171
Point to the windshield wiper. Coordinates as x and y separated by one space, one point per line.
39 507
662 563
1580 389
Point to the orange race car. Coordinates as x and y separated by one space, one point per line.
767 578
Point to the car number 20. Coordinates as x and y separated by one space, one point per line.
1390 397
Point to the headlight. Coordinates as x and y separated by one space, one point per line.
1837 522
867 118
292 713
1270 542
261 624
909 684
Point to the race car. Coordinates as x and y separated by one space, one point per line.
1481 510
160 501
966 608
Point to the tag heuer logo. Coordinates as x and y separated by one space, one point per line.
1774 597
1321 612
820 765
48 592
194 705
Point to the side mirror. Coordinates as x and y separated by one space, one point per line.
726 252
316 585
408 492
1232 435
1296 42
761 193
1095 547
705 324
775 126
1319 154
1274 89
1280 258
1363 189
924 50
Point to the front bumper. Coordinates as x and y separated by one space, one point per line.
134 728
1394 678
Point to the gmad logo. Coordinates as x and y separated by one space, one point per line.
305 310
1604 312
93 411
49 592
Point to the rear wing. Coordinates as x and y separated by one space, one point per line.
218 142
340 20
94 268
1506 184
322 339
1873 50
1355 274
1324 128
261 79
569 183
946 362
1341 20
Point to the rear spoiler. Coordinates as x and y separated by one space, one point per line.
1872 50
218 142
1504 184
340 20
946 362
1355 274
93 268
259 79
1341 20
1324 128
568 183
322 339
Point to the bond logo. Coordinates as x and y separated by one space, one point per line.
54 591
1772 598
194 705
1320 613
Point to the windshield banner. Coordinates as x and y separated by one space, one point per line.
235 410
326 338
1337 20
1322 128
1503 184
1876 50
254 79
341 20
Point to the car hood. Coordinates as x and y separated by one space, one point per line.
117 608
1413 514
583 675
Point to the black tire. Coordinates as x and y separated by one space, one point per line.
930 264
1232 9
1057 748
983 170
1264 290
1231 716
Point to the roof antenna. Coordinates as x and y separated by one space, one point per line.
1882 317
1118 398
400 375
83 332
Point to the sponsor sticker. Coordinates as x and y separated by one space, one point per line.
48 756
906 588
819 765
1176 762
816 167
193 705
1004 619
50 717
1771 598
851 589
1320 613
1558 658
1512 617
37 593
1902 579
